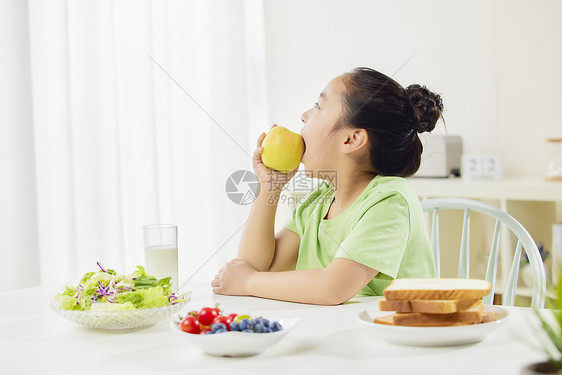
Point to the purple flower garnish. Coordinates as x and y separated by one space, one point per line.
79 289
103 269
108 292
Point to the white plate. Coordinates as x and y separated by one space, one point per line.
433 336
236 344
121 319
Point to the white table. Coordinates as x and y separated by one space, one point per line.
327 340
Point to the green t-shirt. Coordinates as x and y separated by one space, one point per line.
383 229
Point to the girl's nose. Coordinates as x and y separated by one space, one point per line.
304 117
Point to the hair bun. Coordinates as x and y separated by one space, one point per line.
427 107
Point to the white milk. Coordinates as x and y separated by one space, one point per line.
162 261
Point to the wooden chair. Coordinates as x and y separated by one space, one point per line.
524 241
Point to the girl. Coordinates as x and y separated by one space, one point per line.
364 227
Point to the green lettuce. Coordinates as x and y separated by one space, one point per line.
145 298
107 290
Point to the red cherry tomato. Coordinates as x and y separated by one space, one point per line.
232 316
224 320
208 314
190 324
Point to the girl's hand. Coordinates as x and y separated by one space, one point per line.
232 278
271 181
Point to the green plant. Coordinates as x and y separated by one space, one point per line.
551 323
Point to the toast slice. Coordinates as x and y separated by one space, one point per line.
389 320
436 289
488 316
427 306
470 316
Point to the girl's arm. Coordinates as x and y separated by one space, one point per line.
287 244
259 246
333 285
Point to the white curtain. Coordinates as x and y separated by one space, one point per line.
141 111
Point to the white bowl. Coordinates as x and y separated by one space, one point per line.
119 319
236 344
433 336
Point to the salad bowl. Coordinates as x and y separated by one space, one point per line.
118 319
113 301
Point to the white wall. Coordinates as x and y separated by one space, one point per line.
497 64
529 72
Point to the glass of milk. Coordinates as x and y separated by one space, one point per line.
161 251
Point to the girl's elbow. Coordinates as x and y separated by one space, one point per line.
335 300
326 300
336 295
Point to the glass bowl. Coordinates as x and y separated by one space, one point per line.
119 319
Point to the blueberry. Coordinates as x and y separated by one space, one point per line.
220 330
209 332
243 324
267 330
259 327
265 323
246 324
218 326
234 326
248 331
276 326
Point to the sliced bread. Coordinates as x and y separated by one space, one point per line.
436 289
471 316
427 306
389 320
488 316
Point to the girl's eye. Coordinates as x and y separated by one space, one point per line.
316 106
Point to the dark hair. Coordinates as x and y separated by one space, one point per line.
393 117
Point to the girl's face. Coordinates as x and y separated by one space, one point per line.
321 143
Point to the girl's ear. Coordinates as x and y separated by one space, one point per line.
355 140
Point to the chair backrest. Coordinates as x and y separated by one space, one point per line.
524 241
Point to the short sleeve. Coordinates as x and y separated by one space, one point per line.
301 214
292 223
379 238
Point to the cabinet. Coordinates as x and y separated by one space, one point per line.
535 203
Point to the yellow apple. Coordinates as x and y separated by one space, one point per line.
282 149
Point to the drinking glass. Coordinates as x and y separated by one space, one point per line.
161 251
